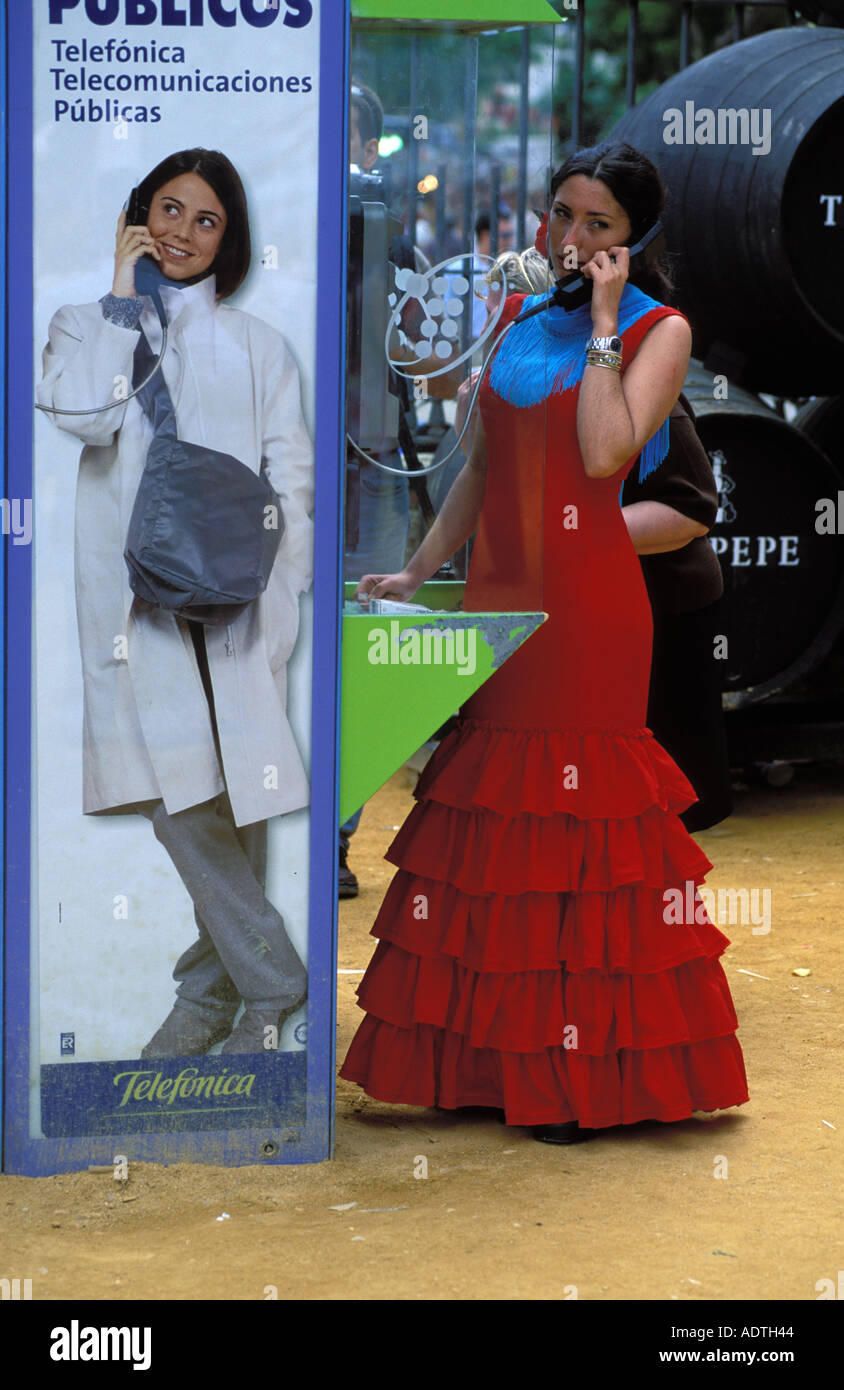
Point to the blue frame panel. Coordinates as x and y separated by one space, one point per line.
3 565
22 1154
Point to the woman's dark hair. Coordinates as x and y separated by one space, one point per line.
232 260
636 185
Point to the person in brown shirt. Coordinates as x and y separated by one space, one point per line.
668 517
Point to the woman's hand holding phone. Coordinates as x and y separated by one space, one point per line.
130 244
608 272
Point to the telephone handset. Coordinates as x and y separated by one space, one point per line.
136 212
576 290
148 273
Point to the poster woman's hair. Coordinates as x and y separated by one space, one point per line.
232 261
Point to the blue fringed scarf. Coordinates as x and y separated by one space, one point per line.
546 356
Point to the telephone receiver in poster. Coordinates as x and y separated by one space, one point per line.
136 213
148 278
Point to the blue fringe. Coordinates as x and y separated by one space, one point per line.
546 356
654 452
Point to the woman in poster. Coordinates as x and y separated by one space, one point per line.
184 724
531 956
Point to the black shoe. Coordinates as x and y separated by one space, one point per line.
185 1034
346 882
568 1133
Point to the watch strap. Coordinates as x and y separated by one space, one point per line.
612 344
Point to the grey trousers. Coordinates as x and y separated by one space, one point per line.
243 951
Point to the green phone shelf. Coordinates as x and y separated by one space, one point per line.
404 675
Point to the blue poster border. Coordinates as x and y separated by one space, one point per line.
314 1140
3 262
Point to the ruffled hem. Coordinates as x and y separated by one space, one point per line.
528 954
428 1066
529 1011
586 773
482 852
623 930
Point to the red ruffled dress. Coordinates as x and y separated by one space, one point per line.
524 958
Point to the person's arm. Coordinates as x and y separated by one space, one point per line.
89 357
616 416
464 395
456 522
678 501
88 361
656 528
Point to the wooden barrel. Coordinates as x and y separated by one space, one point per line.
783 578
823 421
758 237
823 11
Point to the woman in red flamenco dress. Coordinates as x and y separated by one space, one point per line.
542 948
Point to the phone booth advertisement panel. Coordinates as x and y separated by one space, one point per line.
172 625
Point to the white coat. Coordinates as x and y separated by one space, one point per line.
147 732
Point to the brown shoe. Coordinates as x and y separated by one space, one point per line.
185 1034
347 884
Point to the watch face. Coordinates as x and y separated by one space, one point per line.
615 345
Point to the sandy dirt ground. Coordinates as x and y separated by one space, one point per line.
637 1213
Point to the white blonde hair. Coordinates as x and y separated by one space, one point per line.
527 272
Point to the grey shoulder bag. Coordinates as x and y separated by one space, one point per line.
204 529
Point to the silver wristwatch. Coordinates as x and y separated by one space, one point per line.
604 345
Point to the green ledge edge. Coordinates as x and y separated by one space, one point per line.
390 708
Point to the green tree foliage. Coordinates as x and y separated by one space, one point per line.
657 55
459 81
